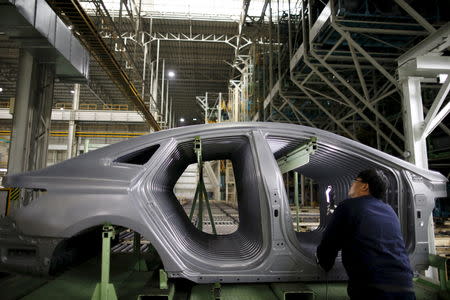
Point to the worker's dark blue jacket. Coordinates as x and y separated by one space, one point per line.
373 252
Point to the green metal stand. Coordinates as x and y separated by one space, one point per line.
163 280
216 291
441 264
141 265
105 290
200 192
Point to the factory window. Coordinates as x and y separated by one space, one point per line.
139 157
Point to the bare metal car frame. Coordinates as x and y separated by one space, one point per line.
131 183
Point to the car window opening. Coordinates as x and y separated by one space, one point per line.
219 180
139 157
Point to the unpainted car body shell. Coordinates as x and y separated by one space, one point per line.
98 187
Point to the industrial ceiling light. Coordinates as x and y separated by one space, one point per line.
1 90
194 119
442 78
181 120
72 92
171 74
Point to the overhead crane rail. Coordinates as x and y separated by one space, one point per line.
73 13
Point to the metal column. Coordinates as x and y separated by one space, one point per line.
32 112
155 82
219 109
415 143
71 140
161 112
17 159
297 206
302 189
206 108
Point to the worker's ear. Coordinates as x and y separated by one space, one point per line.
365 187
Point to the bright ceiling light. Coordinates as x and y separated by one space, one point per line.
72 92
194 119
181 120
1 90
171 74
442 78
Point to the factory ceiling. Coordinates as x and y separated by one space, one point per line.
347 83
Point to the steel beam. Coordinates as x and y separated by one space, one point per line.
416 16
433 44
434 117
366 103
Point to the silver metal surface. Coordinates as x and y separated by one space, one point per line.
100 186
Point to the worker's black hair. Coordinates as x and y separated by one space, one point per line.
377 182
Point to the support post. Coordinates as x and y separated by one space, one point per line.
17 158
415 141
218 196
105 290
86 145
297 206
219 109
302 189
166 112
140 265
161 112
155 84
71 134
31 115
206 108
144 71
415 144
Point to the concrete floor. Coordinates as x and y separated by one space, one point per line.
79 283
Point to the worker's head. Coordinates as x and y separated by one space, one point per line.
369 182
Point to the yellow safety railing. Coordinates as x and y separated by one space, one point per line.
65 105
87 133
115 106
4 104
88 106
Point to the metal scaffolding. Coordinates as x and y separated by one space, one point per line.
73 13
335 68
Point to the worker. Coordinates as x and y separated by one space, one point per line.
367 231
